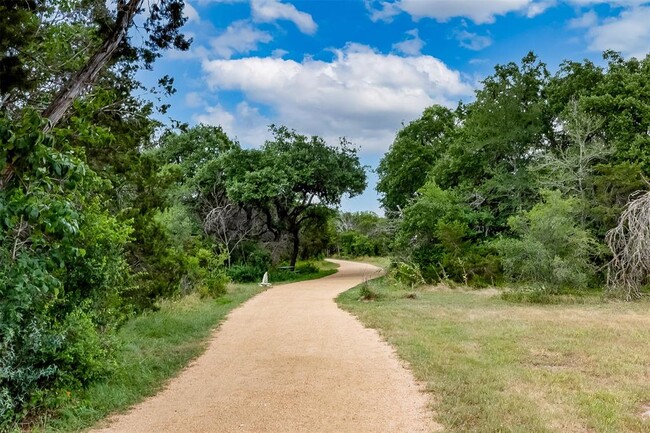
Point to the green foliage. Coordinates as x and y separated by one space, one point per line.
404 168
366 293
206 274
18 27
61 271
545 295
550 247
363 234
475 188
245 273
406 273
354 244
150 349
291 180
438 236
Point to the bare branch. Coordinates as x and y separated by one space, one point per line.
629 242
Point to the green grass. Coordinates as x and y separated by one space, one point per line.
304 271
154 348
495 366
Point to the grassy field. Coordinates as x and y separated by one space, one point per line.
154 348
494 366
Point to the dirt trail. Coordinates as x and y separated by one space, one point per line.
289 360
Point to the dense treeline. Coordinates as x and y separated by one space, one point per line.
522 184
104 210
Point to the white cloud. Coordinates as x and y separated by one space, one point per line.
266 11
616 3
479 11
360 94
384 12
411 46
194 100
628 33
240 37
586 20
538 8
245 124
191 13
279 52
205 2
472 41
217 116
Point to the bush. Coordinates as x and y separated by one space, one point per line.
406 273
355 244
551 248
543 295
245 273
366 293
206 273
62 271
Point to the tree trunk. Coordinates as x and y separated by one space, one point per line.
296 248
85 76
89 73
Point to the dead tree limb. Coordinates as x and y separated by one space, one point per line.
629 242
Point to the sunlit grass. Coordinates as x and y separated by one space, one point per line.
494 366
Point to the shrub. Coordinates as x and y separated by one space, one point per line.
62 271
550 248
366 293
406 273
245 273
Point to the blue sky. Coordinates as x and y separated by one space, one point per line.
361 69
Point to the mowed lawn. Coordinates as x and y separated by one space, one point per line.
494 366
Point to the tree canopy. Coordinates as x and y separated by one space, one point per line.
562 152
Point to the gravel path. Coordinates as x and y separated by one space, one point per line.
289 360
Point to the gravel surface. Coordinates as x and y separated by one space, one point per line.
289 360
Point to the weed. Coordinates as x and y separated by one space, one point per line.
367 294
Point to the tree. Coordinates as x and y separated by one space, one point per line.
106 44
405 167
364 234
163 23
569 169
501 132
290 178
18 27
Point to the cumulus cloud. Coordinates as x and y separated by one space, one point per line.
538 8
616 3
479 11
266 11
194 100
191 13
412 46
586 20
245 123
218 116
360 94
472 41
240 37
628 33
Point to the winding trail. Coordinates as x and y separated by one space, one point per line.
289 360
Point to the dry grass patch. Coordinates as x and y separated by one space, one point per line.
495 366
